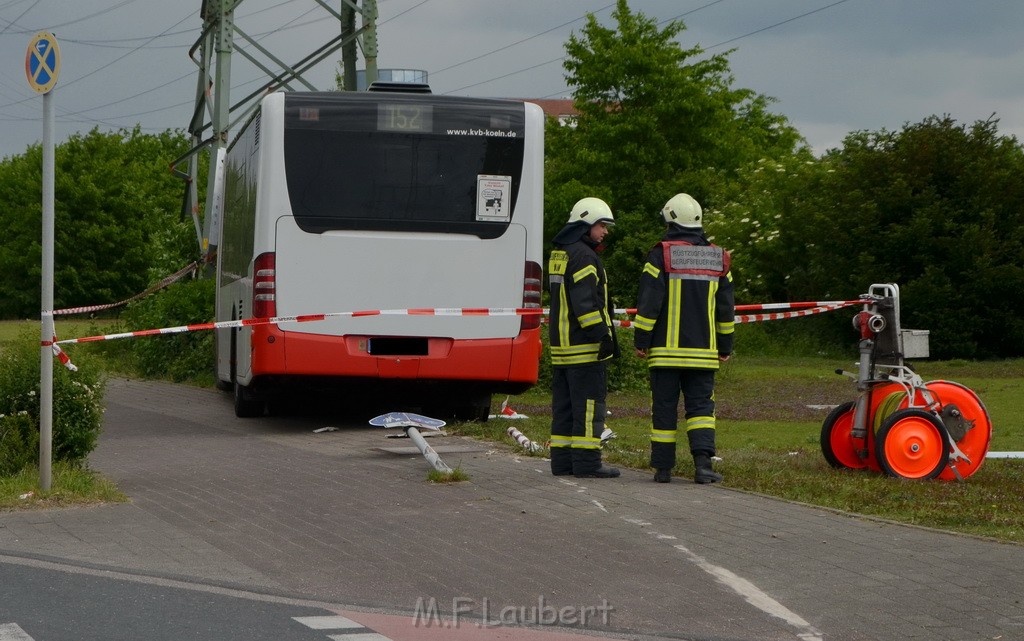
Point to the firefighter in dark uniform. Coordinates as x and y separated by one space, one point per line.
582 342
684 328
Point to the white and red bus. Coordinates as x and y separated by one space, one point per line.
352 201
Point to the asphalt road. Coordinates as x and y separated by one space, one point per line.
333 522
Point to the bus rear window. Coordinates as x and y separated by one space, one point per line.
399 166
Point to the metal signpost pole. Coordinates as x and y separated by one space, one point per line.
42 64
45 354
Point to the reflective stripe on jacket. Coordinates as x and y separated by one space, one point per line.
685 304
580 314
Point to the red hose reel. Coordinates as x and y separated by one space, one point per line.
899 424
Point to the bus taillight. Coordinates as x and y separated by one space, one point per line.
531 295
264 286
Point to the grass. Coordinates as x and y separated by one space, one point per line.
69 485
767 436
769 441
97 354
455 476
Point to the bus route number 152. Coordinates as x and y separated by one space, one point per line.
404 117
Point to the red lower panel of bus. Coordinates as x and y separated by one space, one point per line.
299 354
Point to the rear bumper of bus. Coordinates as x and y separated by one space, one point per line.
510 363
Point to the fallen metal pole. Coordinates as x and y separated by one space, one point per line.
427 451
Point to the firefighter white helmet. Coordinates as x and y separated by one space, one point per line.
591 210
683 210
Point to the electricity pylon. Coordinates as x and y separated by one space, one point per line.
217 112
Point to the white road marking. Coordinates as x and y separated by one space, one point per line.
750 592
339 622
639 522
13 632
336 622
754 596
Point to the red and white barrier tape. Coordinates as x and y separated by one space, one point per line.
64 359
48 330
757 318
763 307
524 441
803 309
306 318
163 283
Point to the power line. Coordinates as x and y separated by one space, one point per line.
561 58
64 24
404 12
512 73
537 35
142 93
686 13
772 26
22 15
116 60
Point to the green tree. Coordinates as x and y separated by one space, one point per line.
117 220
751 219
655 119
937 208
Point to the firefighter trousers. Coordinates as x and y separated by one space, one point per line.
578 396
698 389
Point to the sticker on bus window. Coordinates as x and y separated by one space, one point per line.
493 198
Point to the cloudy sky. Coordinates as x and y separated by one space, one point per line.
833 66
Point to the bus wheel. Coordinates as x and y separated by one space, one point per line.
222 385
478 411
247 404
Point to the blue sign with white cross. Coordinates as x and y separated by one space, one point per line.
42 62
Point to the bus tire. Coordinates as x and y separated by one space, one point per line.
477 412
222 385
247 404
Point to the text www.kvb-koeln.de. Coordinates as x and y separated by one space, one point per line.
496 133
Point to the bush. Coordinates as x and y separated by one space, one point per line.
19 443
777 338
625 374
77 407
178 357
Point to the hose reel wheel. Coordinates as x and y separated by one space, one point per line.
837 446
912 444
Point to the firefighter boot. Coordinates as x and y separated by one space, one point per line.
586 464
704 473
603 472
561 461
663 475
